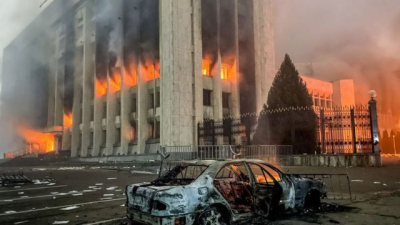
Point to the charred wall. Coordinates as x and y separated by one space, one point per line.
247 57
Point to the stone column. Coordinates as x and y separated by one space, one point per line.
197 66
142 110
216 74
115 46
264 45
235 82
77 103
176 41
88 75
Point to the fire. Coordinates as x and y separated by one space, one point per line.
8 155
206 68
129 133
224 71
44 141
101 88
228 72
130 75
115 80
150 71
68 120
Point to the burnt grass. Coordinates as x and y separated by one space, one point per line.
315 216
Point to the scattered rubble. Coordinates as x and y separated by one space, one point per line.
14 179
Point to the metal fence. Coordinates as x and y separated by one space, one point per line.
216 152
344 130
338 131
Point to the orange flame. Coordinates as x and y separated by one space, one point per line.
130 75
206 68
8 155
149 71
115 80
101 88
68 120
228 72
44 141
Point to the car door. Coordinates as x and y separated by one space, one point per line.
267 192
233 183
288 191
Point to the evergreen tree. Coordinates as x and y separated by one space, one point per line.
288 127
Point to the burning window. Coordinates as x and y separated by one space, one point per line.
224 72
206 68
67 119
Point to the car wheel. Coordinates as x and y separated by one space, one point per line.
264 207
313 200
213 216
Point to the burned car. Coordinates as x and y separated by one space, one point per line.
220 192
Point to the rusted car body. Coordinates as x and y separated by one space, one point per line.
220 192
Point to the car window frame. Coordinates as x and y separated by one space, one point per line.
276 170
235 173
263 170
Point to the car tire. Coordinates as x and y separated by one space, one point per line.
213 216
313 200
265 207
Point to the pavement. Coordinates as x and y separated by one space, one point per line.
95 195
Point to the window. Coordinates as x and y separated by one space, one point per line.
158 125
207 97
118 107
224 72
329 104
233 183
260 175
117 137
323 103
316 102
91 139
158 99
104 139
273 173
181 175
134 104
206 68
151 101
104 110
225 100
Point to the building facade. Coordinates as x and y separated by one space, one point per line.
123 77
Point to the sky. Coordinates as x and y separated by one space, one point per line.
357 39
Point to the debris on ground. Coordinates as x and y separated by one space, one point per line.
14 179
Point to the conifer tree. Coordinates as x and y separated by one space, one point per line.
288 117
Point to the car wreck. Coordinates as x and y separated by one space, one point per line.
220 192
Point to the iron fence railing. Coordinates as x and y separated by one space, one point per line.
339 130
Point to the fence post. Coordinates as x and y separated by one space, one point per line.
374 126
353 130
213 131
293 128
198 133
322 126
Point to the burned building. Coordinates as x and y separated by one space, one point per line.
124 77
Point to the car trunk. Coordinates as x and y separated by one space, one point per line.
140 197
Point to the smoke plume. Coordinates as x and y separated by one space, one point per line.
356 39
